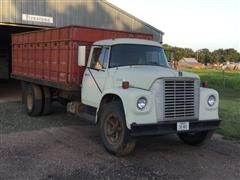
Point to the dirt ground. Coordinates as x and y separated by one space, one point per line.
62 146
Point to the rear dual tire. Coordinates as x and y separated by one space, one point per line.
47 101
196 138
33 99
37 100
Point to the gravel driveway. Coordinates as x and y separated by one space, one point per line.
62 146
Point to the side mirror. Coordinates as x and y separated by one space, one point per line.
81 55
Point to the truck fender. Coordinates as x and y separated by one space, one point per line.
128 98
106 98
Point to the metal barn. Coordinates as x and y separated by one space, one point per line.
28 15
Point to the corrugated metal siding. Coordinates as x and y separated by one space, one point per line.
72 12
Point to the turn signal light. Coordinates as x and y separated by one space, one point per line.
125 84
205 84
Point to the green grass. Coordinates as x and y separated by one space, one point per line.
227 83
230 114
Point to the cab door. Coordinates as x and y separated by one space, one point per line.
95 76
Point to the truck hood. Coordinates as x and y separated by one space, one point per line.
143 76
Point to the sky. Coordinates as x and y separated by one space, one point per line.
195 24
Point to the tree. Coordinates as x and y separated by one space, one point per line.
218 55
168 51
187 52
204 56
231 55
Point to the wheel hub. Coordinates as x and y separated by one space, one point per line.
113 129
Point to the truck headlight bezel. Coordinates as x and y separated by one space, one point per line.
142 103
211 100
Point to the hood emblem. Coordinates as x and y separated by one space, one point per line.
180 73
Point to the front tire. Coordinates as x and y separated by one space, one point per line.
114 133
196 138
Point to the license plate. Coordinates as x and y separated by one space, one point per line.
182 126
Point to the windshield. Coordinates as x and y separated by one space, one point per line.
132 54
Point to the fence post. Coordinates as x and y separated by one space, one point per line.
223 76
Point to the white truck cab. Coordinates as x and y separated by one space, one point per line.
136 93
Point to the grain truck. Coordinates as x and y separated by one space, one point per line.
119 80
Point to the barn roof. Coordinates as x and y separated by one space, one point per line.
56 13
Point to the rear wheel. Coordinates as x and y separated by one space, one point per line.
24 88
33 99
114 133
196 138
47 101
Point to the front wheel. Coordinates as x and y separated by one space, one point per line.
114 133
196 138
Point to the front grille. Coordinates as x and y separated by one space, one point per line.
177 98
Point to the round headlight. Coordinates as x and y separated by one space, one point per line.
141 103
211 100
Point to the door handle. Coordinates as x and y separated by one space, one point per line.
86 74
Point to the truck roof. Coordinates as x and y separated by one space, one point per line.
110 42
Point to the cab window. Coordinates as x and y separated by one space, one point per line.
99 58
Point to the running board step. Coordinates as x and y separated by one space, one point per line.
82 111
87 117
